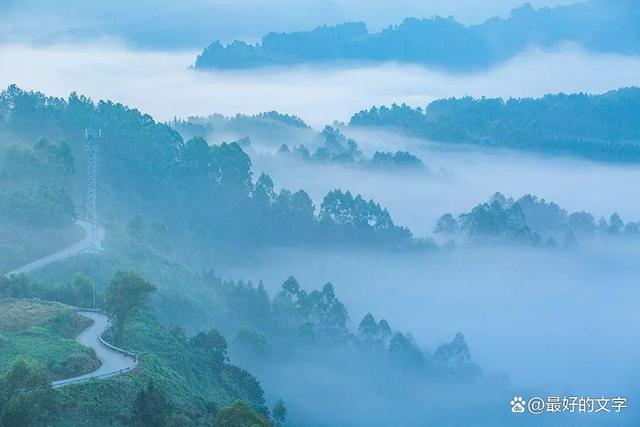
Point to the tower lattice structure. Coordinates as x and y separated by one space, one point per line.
92 136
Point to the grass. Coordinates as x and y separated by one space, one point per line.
192 385
44 331
181 299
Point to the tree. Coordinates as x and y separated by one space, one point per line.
615 224
213 344
404 351
83 290
26 395
446 224
279 412
240 415
454 359
150 407
126 293
368 327
251 342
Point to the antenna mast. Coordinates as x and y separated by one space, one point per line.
91 135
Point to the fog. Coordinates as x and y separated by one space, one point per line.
460 178
552 320
556 320
196 23
547 318
160 83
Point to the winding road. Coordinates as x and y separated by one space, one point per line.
113 361
83 246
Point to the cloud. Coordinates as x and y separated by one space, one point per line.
195 23
161 84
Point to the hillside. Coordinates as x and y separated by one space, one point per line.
44 331
187 198
597 25
192 382
600 127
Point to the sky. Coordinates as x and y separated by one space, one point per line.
195 23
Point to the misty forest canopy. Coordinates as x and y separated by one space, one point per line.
600 127
272 123
201 194
532 221
598 25
334 147
192 376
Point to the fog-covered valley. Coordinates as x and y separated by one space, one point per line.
217 193
458 179
161 83
547 318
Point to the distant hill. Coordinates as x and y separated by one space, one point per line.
598 25
599 127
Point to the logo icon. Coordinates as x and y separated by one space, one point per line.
518 405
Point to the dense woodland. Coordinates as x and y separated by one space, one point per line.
598 25
533 221
334 147
181 382
270 125
225 235
601 127
260 331
204 196
204 340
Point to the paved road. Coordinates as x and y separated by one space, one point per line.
83 246
113 362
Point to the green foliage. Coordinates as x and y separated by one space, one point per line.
493 220
197 196
176 384
405 353
40 207
251 342
336 148
318 314
601 127
34 185
528 218
155 233
271 123
26 395
295 322
355 219
397 160
440 41
78 293
126 293
279 412
43 332
151 407
240 415
213 345
454 359
83 289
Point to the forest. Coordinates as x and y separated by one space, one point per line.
600 127
440 41
337 213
